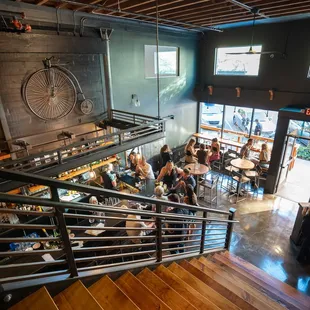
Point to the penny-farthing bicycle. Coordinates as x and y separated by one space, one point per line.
51 93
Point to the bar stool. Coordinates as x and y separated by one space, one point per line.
241 181
228 169
211 187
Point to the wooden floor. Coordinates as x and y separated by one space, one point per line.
218 281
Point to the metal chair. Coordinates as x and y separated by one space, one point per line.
211 187
241 182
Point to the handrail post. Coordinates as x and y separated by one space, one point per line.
59 157
203 232
64 235
159 235
230 226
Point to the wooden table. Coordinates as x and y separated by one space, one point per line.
223 141
197 169
242 164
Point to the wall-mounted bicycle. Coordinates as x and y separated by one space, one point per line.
51 93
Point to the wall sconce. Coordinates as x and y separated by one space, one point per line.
135 100
271 94
238 89
210 88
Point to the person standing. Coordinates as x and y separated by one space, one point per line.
258 128
165 155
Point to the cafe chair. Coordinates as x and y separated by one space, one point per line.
240 185
232 154
227 175
209 189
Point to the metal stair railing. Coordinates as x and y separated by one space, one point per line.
168 236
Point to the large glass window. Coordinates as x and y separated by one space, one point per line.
168 57
264 123
237 123
211 119
301 130
228 61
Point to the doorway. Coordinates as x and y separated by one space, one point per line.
294 177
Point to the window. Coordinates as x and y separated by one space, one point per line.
211 119
240 64
264 123
168 61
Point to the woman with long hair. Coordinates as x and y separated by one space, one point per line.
191 199
190 153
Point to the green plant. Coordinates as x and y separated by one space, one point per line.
303 153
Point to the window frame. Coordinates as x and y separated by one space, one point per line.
236 75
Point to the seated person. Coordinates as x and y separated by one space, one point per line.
202 154
108 178
264 156
185 180
215 144
245 150
168 174
94 201
159 193
132 161
136 224
190 153
214 155
144 169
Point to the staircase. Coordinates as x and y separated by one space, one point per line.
218 281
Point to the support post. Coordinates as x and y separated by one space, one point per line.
159 235
230 227
64 235
203 232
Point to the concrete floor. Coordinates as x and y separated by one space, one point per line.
263 237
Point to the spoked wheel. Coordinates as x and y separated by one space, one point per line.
50 93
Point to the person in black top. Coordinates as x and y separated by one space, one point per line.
304 253
109 178
202 154
165 155
168 174
178 247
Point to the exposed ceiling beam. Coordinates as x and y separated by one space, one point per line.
41 2
246 7
282 12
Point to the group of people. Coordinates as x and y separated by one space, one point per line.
205 155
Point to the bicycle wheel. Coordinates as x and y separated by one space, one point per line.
50 94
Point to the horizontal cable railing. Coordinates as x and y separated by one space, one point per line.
73 239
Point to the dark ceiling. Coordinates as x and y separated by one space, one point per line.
190 14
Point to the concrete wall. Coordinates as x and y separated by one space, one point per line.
287 75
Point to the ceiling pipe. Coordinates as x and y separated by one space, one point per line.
100 7
246 7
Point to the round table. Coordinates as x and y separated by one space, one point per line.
242 164
197 169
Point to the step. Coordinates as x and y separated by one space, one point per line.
110 296
247 292
267 289
201 287
139 293
218 286
76 297
185 290
41 299
266 278
163 291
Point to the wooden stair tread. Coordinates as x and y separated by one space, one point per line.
185 290
269 290
265 277
139 293
246 291
220 286
41 299
76 297
201 287
110 296
164 291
